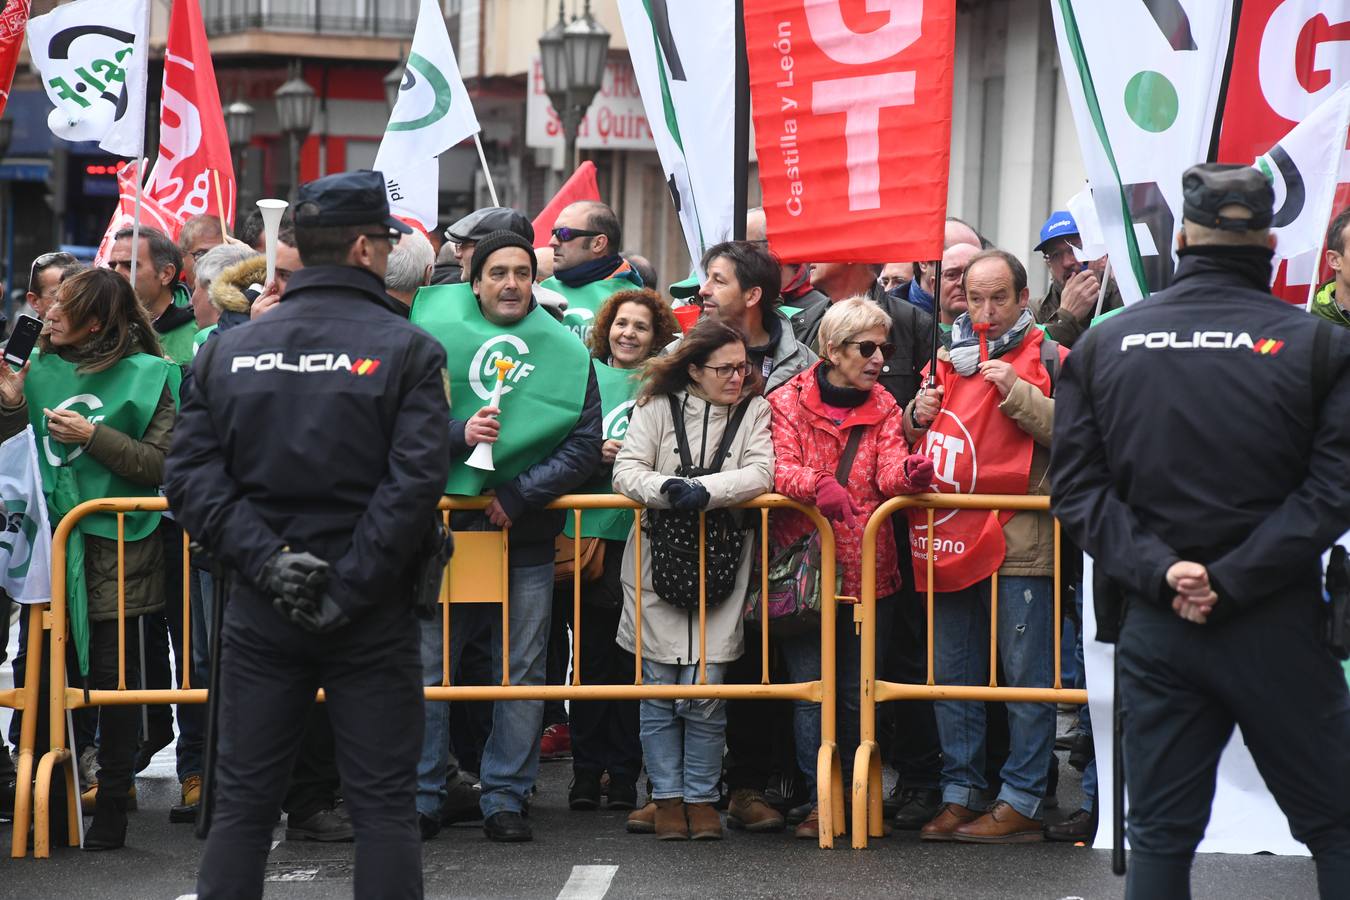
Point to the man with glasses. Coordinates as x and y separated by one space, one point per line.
1071 303
587 267
197 236
309 459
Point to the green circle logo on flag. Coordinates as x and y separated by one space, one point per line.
434 81
17 531
1151 101
484 364
55 460
616 423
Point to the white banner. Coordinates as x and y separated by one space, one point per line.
1143 118
25 535
433 114
684 57
1245 818
94 72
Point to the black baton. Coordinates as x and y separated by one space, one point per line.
220 591
1117 774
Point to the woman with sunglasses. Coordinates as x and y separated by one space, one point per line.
630 329
100 398
709 377
818 416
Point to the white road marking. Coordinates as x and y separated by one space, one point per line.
588 883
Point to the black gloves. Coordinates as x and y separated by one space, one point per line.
294 574
297 583
685 493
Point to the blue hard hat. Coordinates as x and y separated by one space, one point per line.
1060 224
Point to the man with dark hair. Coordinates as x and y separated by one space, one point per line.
587 267
326 560
1332 300
546 443
168 301
45 277
1220 619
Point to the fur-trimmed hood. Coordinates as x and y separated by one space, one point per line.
227 290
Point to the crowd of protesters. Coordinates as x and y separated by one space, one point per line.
805 380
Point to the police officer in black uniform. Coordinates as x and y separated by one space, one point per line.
309 460
1202 457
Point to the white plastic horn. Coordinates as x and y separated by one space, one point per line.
481 457
271 212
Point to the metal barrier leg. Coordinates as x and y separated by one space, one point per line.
829 794
32 688
42 796
867 794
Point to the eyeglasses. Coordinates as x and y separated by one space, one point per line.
725 372
200 252
391 236
867 348
566 234
46 261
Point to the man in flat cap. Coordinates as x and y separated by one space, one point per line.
1199 456
309 460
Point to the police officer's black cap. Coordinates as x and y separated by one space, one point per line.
482 222
1209 187
347 198
494 242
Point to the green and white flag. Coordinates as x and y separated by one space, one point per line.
433 114
1143 118
92 58
618 396
25 535
684 58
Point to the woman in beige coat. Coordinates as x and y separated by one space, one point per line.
682 741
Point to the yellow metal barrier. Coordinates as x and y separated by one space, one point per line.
26 699
867 791
479 569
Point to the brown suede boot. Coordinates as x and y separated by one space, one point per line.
749 811
671 824
643 819
704 822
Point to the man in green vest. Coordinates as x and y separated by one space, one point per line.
587 267
545 436
159 263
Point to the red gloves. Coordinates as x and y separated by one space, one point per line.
918 472
834 501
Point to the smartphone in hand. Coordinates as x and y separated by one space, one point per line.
21 341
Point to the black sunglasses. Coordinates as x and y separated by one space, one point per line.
566 234
867 348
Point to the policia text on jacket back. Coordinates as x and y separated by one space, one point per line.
309 459
1202 457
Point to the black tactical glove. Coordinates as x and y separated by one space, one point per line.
298 575
685 493
317 615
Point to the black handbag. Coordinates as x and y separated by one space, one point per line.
674 532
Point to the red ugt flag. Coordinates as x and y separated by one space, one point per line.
853 115
193 146
13 24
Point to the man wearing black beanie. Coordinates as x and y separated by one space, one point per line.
545 434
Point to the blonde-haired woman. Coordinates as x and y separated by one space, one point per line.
822 414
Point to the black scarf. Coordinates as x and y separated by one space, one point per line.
834 395
585 273
1249 262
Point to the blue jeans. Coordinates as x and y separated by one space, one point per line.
433 768
511 757
1026 654
682 740
801 655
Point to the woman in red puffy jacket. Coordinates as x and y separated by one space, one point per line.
814 415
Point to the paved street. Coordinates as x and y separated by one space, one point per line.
587 856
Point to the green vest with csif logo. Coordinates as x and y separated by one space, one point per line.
585 301
618 393
543 394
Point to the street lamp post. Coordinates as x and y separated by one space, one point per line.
296 104
239 127
573 57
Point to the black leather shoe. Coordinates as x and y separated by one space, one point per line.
622 793
917 807
461 802
326 825
429 826
584 792
507 827
1081 826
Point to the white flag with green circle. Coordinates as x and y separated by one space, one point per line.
432 114
1143 116
684 59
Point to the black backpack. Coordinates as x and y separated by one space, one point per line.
674 532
